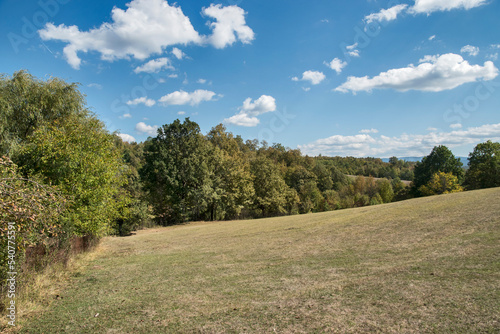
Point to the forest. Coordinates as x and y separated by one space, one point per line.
63 174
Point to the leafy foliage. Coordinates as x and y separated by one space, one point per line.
484 166
441 183
441 159
32 208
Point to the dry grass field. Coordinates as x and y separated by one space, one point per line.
428 265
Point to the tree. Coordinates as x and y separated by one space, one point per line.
176 173
385 190
271 191
439 160
231 180
441 183
484 166
27 103
79 156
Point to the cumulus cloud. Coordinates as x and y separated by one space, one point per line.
314 77
229 26
456 126
143 128
127 138
142 100
155 66
432 37
404 145
125 116
146 27
181 113
433 74
389 14
429 6
201 81
181 97
250 110
352 51
470 50
336 64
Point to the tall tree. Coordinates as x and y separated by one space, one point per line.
176 173
441 159
484 166
27 103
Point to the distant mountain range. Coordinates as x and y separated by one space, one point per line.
464 160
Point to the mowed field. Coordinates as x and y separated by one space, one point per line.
428 265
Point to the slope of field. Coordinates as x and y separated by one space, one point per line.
425 265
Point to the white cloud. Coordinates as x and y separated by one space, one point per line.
143 128
146 27
155 66
242 120
181 97
432 129
229 27
178 53
201 81
250 110
127 138
429 6
366 131
126 116
314 77
386 14
432 37
493 56
495 46
352 51
173 75
471 50
456 126
352 47
94 85
181 113
336 64
263 104
404 145
434 74
142 100
306 89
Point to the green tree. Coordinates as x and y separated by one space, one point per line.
79 156
271 191
176 173
385 191
439 160
484 166
231 180
27 104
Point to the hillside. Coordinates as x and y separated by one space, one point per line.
423 265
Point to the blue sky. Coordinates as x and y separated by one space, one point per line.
359 78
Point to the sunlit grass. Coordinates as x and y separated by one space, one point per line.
423 265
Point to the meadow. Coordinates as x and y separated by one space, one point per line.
426 265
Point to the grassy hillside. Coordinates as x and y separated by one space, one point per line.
425 265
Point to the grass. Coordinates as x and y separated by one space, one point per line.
429 265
